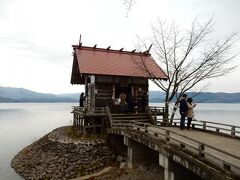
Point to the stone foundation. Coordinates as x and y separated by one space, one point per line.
58 156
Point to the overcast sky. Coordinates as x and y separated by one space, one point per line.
36 35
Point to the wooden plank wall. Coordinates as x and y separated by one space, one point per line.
103 95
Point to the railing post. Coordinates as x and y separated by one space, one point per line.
204 125
155 119
233 131
227 166
167 139
145 128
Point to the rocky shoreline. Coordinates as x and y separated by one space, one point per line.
59 156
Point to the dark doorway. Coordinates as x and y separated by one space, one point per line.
120 88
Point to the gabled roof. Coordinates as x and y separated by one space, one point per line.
98 61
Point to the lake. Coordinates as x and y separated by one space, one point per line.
23 123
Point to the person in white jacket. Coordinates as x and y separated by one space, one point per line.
190 113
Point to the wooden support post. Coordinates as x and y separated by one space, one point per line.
81 125
84 126
165 163
74 120
102 128
78 120
86 91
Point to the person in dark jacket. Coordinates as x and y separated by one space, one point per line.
82 98
183 110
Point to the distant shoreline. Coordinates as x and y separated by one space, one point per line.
149 102
21 95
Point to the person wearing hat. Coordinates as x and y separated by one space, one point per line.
190 113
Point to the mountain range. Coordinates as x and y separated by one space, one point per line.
9 94
203 97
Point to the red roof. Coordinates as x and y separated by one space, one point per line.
98 61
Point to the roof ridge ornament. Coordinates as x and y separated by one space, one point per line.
95 48
147 51
80 40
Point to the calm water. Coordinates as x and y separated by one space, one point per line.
23 123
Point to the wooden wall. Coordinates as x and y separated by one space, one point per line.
103 94
104 89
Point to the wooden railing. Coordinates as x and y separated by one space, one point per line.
84 119
156 110
225 129
156 114
218 157
95 110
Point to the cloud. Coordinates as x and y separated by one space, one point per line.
31 49
36 36
4 5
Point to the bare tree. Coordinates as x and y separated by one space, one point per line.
188 58
128 4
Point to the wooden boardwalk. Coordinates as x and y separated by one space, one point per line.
214 149
221 150
228 144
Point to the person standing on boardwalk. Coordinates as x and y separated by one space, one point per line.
183 111
81 100
190 114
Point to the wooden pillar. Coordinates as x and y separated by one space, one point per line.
164 162
86 91
102 122
74 120
78 122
